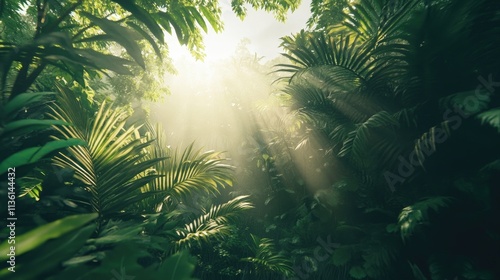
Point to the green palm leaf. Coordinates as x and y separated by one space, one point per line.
266 258
357 141
183 175
413 216
112 165
214 224
491 117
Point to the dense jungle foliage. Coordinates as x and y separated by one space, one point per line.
384 162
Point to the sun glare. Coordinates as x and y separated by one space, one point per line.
217 48
216 104
215 101
212 99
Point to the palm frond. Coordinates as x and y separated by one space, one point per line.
491 117
412 217
379 21
426 144
214 224
311 50
111 164
344 63
267 258
357 142
185 174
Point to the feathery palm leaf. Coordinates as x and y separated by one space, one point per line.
412 217
214 224
426 144
491 117
378 21
344 64
266 258
183 175
110 165
357 141
309 51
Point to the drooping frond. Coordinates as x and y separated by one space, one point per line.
412 217
267 258
214 224
427 143
491 117
357 142
371 58
184 175
378 21
312 51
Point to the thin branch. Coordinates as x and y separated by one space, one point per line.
42 8
34 74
